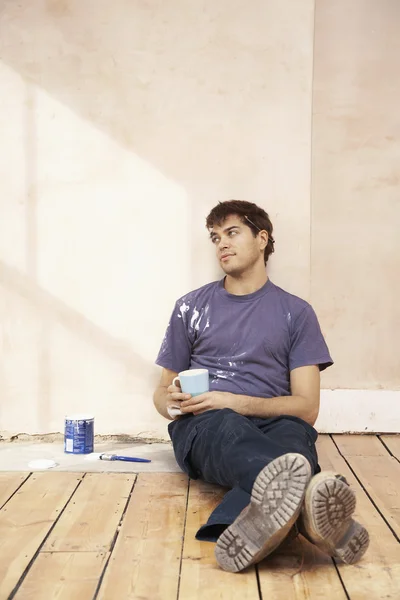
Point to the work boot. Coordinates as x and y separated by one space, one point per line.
326 518
276 501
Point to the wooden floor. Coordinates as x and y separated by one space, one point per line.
118 536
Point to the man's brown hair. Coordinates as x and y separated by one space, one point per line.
250 214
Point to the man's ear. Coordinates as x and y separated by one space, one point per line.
264 237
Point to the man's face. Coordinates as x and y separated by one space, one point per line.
236 248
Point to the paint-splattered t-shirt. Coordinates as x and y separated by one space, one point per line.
248 343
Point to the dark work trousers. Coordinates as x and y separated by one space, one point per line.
226 448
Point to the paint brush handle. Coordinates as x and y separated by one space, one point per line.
131 458
124 458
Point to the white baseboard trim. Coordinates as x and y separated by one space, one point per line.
359 411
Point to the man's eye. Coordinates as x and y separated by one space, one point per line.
214 240
232 233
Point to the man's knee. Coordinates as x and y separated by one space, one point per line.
293 427
228 420
297 436
224 424
222 416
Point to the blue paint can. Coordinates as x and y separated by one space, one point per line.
79 434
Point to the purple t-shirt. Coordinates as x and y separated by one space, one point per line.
248 343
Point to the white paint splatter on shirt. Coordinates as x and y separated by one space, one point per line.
224 361
195 316
183 310
198 316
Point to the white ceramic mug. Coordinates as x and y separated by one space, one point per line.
193 382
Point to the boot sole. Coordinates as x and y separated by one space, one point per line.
275 504
329 506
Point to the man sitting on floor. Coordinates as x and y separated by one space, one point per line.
253 431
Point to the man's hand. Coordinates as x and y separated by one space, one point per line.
303 403
175 396
212 400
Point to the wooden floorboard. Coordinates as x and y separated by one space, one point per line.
360 445
299 571
201 578
393 443
146 559
377 575
26 520
65 537
9 483
379 475
90 520
63 576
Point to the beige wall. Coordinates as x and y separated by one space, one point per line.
355 274
123 123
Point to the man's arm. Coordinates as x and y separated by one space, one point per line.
168 395
305 385
303 403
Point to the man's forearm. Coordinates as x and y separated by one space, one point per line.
160 401
296 406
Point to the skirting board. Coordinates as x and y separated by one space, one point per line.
359 411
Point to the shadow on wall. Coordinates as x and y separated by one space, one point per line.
216 99
62 353
132 128
183 88
55 311
136 71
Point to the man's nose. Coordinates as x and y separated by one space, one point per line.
224 243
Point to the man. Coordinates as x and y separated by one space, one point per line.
253 431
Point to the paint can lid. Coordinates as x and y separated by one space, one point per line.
42 463
79 417
93 456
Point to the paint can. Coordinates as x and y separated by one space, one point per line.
79 434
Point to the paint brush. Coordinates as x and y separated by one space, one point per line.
106 456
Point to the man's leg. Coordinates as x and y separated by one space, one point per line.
231 450
268 474
202 450
275 503
326 518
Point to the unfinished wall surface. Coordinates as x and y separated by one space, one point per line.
356 189
123 123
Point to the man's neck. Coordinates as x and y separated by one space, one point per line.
246 283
